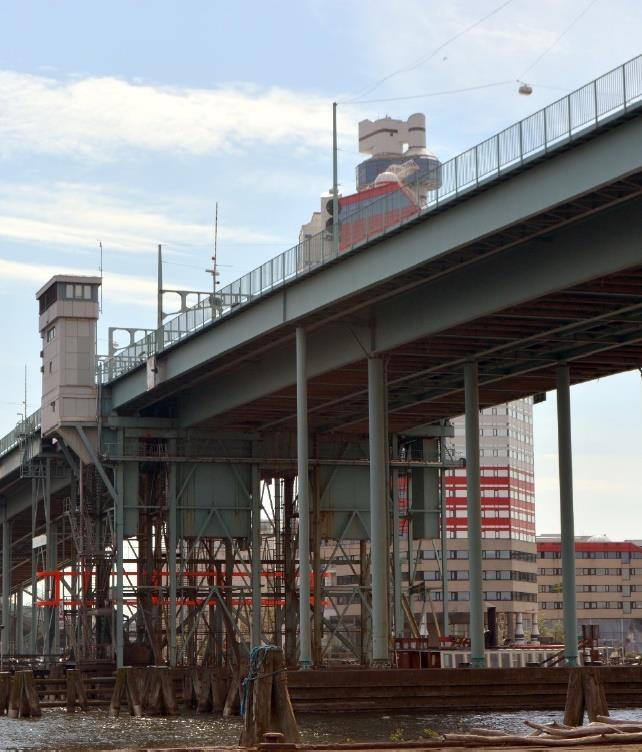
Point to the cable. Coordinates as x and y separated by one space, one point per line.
566 30
425 58
433 93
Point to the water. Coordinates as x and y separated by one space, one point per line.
96 730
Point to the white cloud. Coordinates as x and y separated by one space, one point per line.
117 288
98 117
79 215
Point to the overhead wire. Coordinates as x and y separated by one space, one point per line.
425 58
577 18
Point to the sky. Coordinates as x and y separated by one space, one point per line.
124 123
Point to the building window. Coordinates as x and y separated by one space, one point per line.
51 333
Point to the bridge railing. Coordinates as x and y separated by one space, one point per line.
23 428
572 116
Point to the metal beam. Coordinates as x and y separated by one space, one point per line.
473 492
305 636
565 457
378 511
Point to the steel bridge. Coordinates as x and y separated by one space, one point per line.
177 520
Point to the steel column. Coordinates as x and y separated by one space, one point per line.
443 505
305 637
396 546
33 641
119 530
5 633
171 561
378 511
20 622
55 588
473 490
565 458
256 557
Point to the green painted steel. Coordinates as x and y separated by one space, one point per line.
606 99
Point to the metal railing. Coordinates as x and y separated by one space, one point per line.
571 117
23 428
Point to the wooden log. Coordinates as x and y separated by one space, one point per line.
574 709
281 704
81 690
135 682
117 694
71 692
267 703
15 694
594 697
233 699
170 706
5 689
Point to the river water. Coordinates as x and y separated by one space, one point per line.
96 730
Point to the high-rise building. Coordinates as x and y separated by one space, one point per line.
508 525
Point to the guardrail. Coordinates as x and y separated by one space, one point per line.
23 428
548 129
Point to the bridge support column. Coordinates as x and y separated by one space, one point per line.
20 622
378 511
119 531
564 451
443 514
473 491
5 633
55 591
305 637
33 640
171 562
256 557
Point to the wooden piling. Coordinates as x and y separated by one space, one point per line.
267 702
585 693
23 697
75 691
5 689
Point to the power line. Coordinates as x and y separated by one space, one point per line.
426 95
425 58
577 18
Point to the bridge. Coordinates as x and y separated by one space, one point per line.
148 516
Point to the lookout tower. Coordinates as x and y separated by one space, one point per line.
67 325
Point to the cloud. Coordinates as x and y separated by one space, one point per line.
99 117
78 215
117 288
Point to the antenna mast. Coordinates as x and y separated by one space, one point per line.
100 308
214 270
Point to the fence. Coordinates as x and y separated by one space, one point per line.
24 428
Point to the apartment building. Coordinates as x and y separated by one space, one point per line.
608 585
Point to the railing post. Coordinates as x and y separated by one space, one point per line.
624 86
595 98
497 142
545 130
568 110
477 165
456 177
521 142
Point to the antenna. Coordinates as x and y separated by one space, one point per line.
25 400
100 307
214 270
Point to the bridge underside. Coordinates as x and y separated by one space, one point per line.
478 303
198 476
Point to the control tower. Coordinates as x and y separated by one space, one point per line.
67 324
